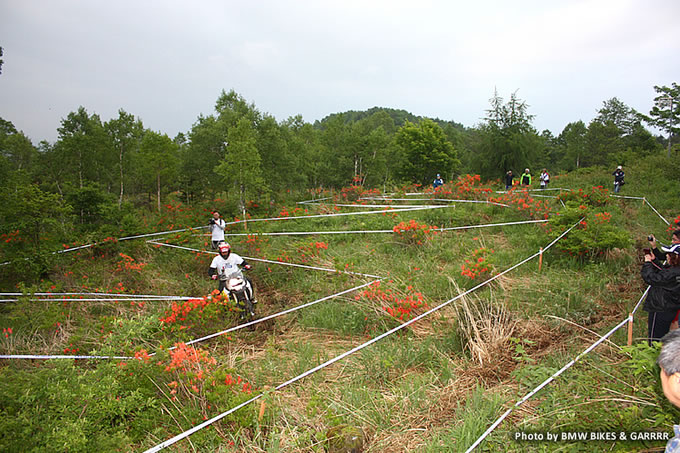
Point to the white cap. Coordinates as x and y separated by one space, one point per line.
619 167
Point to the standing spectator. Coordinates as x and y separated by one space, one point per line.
525 179
508 180
438 181
618 178
669 362
545 178
217 227
663 300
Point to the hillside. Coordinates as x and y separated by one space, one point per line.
434 385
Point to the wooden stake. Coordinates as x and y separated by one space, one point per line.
630 331
261 414
540 259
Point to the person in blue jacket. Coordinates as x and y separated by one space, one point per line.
438 181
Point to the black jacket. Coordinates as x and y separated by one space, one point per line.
664 294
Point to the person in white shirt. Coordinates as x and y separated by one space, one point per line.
217 227
545 178
225 264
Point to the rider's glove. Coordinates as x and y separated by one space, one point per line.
247 267
214 277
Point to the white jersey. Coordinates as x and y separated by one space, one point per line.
217 230
226 267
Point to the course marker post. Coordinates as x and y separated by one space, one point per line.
540 259
630 330
261 414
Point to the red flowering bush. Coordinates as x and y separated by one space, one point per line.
401 306
466 187
674 225
597 196
311 250
198 312
522 201
478 265
414 233
594 235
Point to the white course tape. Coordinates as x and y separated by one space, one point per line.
50 357
137 296
657 212
272 262
196 428
546 382
315 200
436 199
640 301
320 233
335 215
625 196
486 225
101 299
376 205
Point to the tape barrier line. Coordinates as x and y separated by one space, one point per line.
275 315
108 299
376 205
436 199
315 216
487 225
292 233
546 382
75 357
137 296
657 212
315 200
126 238
272 262
640 301
626 196
196 428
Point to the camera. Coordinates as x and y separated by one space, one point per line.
212 221
650 238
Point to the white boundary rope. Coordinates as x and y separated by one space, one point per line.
270 261
657 212
640 301
436 199
77 357
546 382
335 215
150 296
98 299
196 428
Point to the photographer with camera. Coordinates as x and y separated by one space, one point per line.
663 300
661 254
217 227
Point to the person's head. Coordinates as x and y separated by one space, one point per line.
669 361
225 249
526 170
438 176
672 254
216 215
675 237
619 167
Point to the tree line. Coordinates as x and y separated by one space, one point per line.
97 166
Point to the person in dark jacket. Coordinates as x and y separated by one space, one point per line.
663 300
661 254
618 178
508 180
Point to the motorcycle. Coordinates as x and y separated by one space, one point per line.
239 289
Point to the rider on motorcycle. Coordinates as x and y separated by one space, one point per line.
225 264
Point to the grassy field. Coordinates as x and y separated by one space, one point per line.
435 385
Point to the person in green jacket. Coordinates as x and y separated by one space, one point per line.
525 179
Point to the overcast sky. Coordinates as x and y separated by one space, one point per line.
167 61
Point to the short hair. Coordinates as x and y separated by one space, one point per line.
676 233
669 358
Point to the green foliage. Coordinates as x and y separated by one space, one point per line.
594 236
427 152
